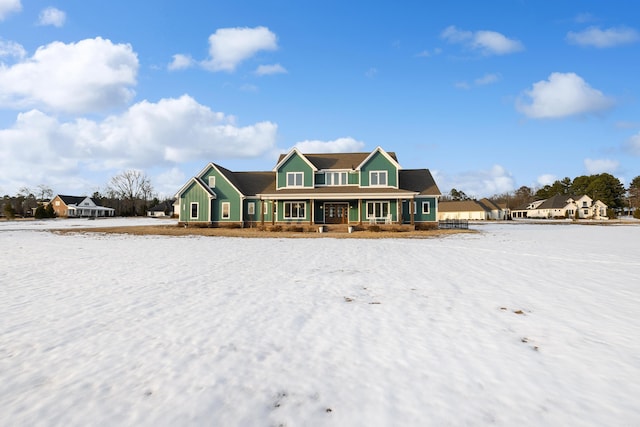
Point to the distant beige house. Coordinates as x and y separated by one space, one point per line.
563 206
480 210
78 206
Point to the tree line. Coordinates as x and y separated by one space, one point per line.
130 193
604 187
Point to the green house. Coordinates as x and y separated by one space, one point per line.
328 188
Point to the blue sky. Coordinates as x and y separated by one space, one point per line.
489 96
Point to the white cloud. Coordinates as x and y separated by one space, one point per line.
584 17
52 16
480 183
87 76
371 72
163 134
181 62
487 79
594 36
562 95
546 179
596 166
486 42
264 70
9 6
228 47
12 49
427 53
340 145
633 145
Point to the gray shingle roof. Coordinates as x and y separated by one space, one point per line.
460 206
337 160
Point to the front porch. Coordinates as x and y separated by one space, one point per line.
337 212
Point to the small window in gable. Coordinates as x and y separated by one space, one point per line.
295 179
378 178
212 181
226 210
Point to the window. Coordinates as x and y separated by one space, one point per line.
295 179
378 178
426 208
294 210
586 211
251 208
335 178
226 210
584 204
212 181
377 209
194 210
265 208
57 203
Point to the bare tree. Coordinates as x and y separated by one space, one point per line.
132 186
44 192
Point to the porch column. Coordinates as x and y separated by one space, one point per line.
261 212
399 211
360 211
411 212
312 212
273 213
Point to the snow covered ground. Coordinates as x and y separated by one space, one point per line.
520 324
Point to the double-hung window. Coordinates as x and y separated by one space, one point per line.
226 210
294 210
335 178
194 210
295 179
377 209
426 208
378 178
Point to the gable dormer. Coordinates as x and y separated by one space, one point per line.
379 169
294 170
87 202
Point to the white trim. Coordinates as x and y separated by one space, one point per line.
428 205
367 216
338 196
341 174
228 205
289 155
304 208
378 174
295 174
379 149
198 181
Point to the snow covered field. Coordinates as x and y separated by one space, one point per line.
521 324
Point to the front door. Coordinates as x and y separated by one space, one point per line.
336 213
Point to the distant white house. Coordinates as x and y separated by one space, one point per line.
79 206
563 206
